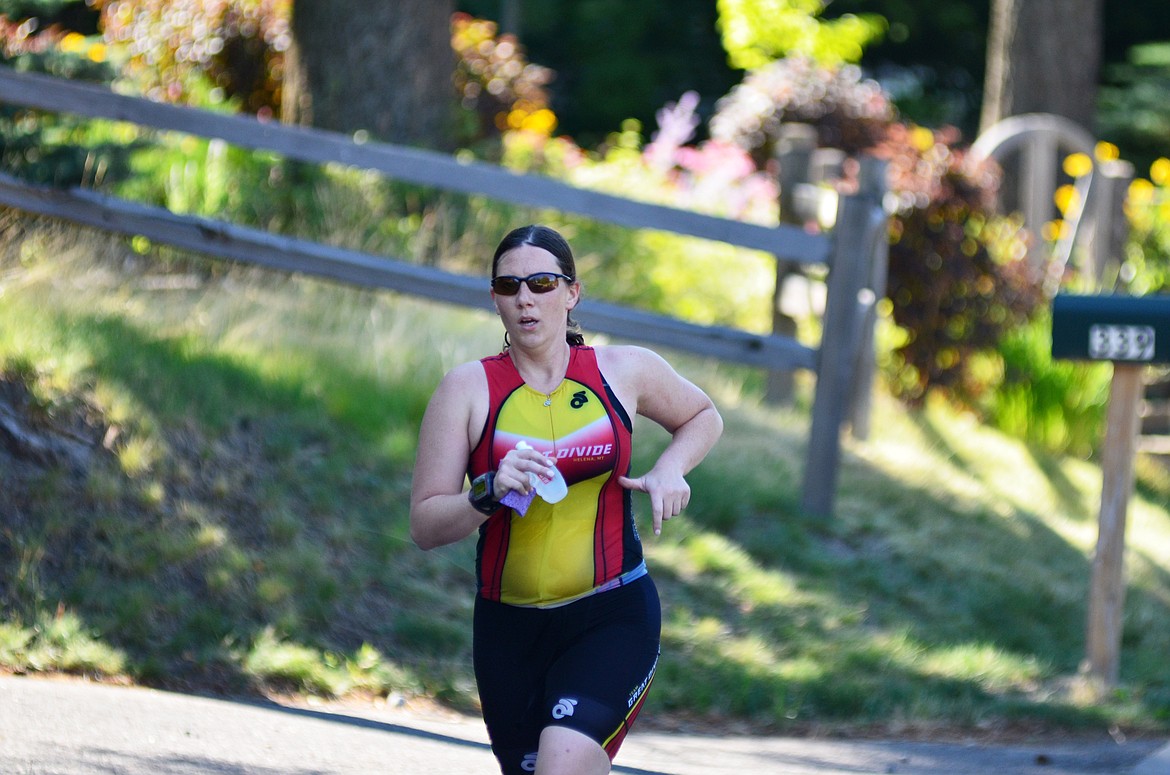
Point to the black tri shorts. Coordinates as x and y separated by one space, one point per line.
585 665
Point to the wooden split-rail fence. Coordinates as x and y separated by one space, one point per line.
842 362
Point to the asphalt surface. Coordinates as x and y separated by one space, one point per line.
71 727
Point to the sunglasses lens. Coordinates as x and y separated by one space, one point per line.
506 286
542 283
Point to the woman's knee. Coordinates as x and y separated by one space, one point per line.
565 751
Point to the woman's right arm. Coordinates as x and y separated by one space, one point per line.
440 513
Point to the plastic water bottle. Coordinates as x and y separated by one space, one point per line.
553 489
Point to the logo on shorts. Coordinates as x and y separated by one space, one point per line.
563 708
529 763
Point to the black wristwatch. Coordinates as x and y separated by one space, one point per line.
482 494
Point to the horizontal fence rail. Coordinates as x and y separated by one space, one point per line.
203 235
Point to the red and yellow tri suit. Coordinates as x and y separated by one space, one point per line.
586 543
567 621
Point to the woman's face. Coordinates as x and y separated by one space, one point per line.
534 318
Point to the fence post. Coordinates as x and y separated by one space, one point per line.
1106 246
872 179
1107 585
794 150
845 308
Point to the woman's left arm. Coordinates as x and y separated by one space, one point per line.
661 394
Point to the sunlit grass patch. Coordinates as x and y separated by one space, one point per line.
58 643
286 665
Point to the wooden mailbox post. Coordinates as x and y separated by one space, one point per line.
1132 332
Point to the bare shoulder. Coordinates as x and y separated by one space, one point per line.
463 376
630 361
456 411
459 387
641 377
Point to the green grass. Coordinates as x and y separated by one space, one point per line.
241 524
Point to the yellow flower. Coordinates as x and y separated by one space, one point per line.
542 122
1066 197
1160 171
1077 165
97 52
1141 191
1054 230
1107 151
922 138
72 43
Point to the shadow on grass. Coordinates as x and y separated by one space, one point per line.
260 510
914 606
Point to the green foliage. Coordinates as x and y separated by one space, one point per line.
931 58
47 148
278 663
211 178
756 32
24 9
54 51
62 150
1146 268
1056 405
1133 106
61 643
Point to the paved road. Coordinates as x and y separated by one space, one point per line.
70 727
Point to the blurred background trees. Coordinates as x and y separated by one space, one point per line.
1043 56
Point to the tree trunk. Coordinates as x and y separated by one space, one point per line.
1043 56
385 68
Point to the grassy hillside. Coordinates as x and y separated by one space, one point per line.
204 475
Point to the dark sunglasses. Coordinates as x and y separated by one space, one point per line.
541 282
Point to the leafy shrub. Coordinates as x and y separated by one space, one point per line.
236 54
1057 405
959 277
498 89
848 111
1147 257
27 46
1061 405
1133 106
44 147
71 14
203 51
755 32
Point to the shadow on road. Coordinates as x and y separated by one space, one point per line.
399 729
